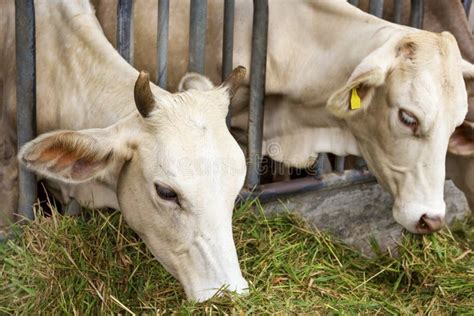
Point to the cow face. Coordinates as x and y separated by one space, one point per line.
176 170
413 97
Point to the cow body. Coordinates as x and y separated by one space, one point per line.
108 139
315 49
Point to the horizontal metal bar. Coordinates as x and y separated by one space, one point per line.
376 7
124 29
197 36
416 14
228 45
273 191
162 53
257 91
26 98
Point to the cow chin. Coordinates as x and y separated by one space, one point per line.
206 292
420 218
205 267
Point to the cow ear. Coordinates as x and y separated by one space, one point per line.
366 77
461 142
341 103
467 70
72 156
195 81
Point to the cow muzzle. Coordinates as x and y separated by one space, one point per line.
428 225
420 218
204 293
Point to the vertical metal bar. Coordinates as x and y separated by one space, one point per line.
124 29
197 36
162 54
257 90
228 40
416 13
339 164
467 6
25 97
397 11
376 7
354 2
228 45
320 164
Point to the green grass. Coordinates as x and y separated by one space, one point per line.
95 264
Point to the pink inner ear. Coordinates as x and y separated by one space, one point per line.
362 91
58 160
83 168
462 140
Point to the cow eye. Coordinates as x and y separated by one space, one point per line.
166 193
408 119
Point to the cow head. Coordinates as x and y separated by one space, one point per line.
460 158
176 171
412 98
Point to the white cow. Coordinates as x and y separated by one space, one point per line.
410 81
172 167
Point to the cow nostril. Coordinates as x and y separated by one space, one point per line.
428 224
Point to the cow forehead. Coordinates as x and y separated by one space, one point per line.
189 140
431 81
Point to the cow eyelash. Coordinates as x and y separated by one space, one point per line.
166 193
408 119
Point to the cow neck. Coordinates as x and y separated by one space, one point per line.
79 72
341 38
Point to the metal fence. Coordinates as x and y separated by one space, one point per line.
26 86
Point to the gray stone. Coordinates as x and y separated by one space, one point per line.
358 213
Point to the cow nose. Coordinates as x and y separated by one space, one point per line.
428 224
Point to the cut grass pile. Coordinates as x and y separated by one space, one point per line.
95 264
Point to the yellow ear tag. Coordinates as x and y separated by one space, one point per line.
355 100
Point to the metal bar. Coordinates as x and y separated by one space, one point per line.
320 164
26 98
376 7
416 13
228 45
257 90
397 11
124 29
339 164
273 191
467 6
361 163
354 2
197 36
228 39
162 53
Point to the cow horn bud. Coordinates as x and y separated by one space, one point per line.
234 80
144 99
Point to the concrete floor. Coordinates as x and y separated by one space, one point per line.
356 214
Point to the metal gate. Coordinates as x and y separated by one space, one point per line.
26 86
